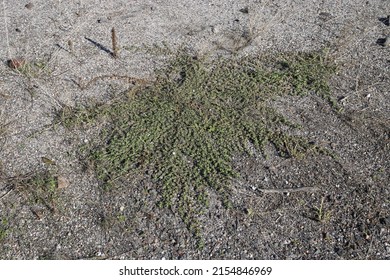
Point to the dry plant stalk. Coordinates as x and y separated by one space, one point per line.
114 43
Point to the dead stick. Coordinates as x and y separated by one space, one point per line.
114 43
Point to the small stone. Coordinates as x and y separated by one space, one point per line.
16 63
324 16
385 220
244 10
29 6
62 182
99 254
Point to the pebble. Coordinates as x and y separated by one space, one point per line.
99 254
29 6
244 10
287 242
325 16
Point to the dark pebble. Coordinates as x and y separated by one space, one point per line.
244 10
385 220
339 251
29 6
325 16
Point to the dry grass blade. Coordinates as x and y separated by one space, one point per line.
114 40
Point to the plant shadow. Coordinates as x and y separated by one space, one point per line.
385 20
100 46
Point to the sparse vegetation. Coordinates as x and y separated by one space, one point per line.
186 127
40 188
321 214
33 69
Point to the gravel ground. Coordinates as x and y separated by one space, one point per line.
341 210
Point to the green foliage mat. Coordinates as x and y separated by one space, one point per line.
186 127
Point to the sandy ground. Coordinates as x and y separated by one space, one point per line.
69 43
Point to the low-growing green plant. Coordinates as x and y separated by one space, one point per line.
185 128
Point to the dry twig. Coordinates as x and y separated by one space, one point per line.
114 41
